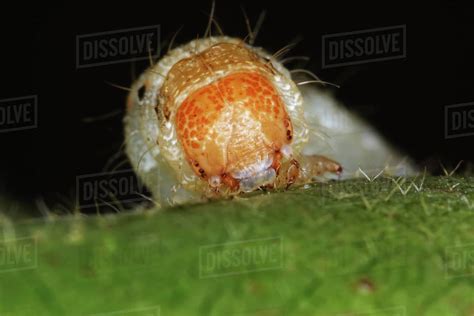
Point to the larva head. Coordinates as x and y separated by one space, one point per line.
233 130
231 111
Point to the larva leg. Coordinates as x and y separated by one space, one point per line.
312 166
293 172
305 169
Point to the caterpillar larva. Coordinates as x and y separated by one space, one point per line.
217 117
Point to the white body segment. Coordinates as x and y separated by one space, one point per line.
339 133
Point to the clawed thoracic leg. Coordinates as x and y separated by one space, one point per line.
305 169
316 165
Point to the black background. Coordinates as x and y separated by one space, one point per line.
403 98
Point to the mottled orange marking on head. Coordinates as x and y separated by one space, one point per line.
232 123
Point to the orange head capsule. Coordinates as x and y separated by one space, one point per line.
234 129
229 117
